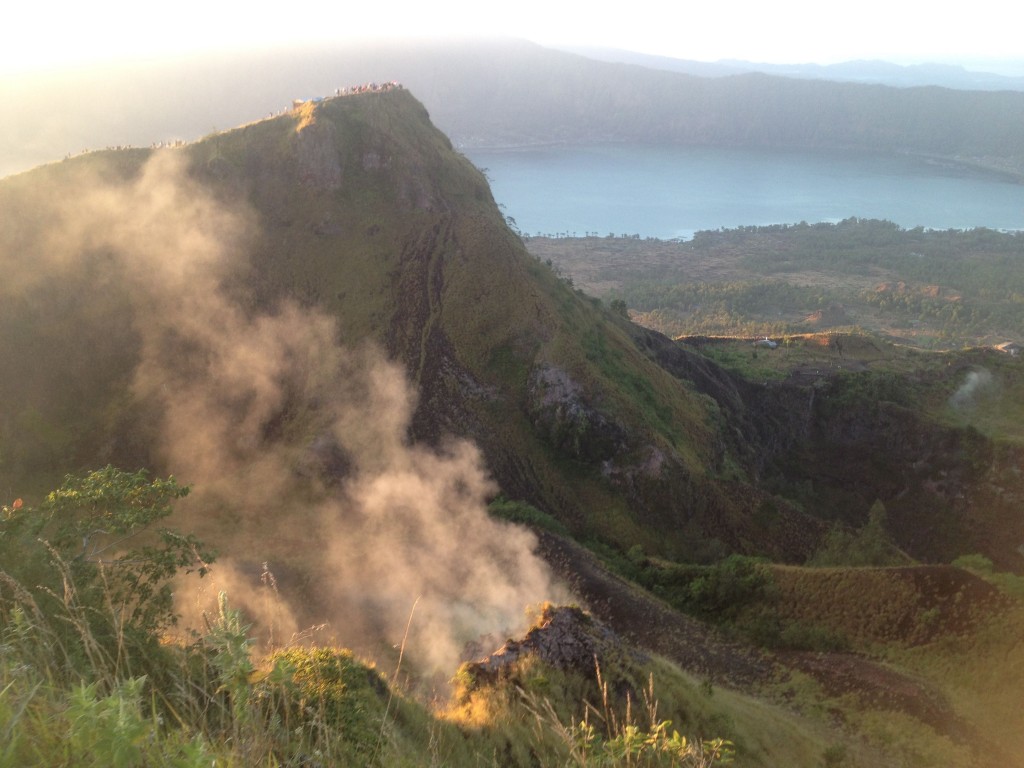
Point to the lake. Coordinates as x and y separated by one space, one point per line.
671 192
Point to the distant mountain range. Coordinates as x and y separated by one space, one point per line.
509 93
869 71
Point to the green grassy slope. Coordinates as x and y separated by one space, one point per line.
358 207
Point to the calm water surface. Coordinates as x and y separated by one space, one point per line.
670 192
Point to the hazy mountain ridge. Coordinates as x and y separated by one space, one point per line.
859 71
508 93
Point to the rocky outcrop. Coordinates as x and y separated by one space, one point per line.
561 414
565 638
760 420
316 152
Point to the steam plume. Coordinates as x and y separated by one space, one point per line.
975 382
254 406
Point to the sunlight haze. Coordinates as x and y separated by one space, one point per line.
40 36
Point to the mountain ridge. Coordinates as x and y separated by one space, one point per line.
508 93
422 266
876 71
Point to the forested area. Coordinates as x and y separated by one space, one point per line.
941 289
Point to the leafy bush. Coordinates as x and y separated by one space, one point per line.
41 724
766 629
526 514
871 545
611 739
92 570
730 585
326 689
975 562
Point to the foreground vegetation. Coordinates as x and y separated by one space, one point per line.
92 671
90 676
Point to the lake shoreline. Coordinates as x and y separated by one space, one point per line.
671 192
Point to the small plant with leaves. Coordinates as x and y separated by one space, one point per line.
622 741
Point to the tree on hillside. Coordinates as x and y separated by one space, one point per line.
871 545
90 568
618 306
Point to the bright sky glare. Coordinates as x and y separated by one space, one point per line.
56 33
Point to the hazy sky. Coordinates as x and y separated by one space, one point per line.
46 34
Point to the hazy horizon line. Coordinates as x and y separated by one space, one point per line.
1001 66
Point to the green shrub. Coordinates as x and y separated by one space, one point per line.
974 562
90 571
604 738
524 513
728 586
871 545
328 685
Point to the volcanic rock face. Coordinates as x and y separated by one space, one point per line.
571 425
565 638
317 155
